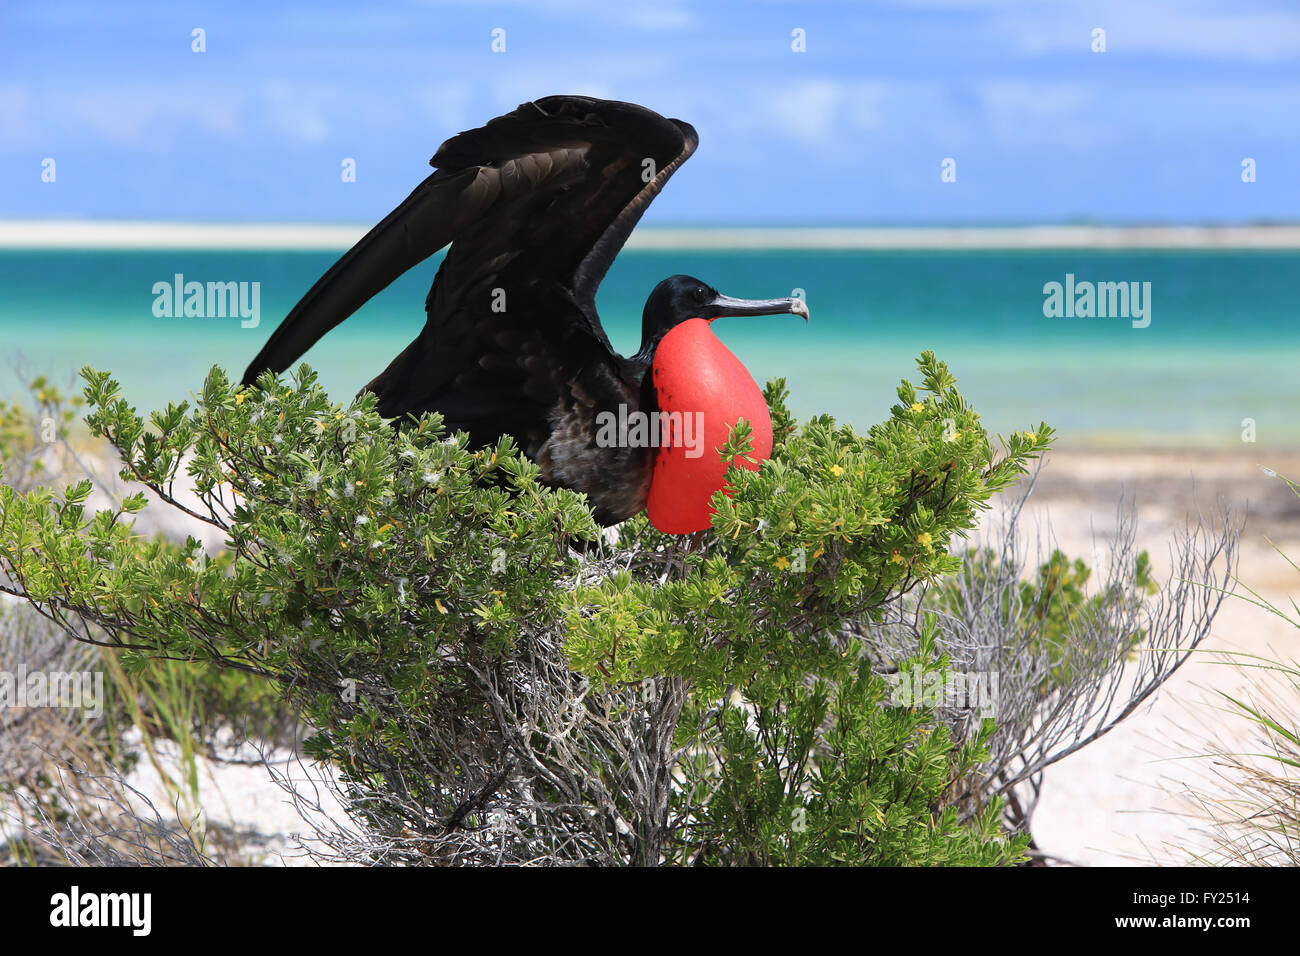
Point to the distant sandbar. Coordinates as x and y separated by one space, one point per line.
69 234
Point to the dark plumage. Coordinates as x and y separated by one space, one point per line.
536 204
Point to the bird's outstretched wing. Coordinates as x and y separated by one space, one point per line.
536 204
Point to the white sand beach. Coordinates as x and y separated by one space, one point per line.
1116 801
105 234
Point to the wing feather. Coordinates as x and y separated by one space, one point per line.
535 204
549 191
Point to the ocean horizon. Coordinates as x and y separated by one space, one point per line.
1196 349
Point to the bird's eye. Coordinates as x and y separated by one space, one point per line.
701 293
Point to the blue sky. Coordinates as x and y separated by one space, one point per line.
852 131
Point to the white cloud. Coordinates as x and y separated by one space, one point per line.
446 106
293 114
806 109
1044 112
18 123
657 15
135 114
1187 29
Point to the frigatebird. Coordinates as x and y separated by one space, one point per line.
536 204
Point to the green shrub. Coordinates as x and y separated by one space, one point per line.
1054 607
492 693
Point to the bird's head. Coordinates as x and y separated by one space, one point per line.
679 297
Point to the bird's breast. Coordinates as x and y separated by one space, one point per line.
592 445
702 390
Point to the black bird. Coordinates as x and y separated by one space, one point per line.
536 204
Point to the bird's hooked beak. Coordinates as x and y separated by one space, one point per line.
726 305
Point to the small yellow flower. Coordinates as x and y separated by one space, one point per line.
239 399
924 539
782 563
1032 436
917 406
836 470
895 558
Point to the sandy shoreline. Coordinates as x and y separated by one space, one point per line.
1079 491
1116 801
103 234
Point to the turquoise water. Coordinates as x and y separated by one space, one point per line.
1223 344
